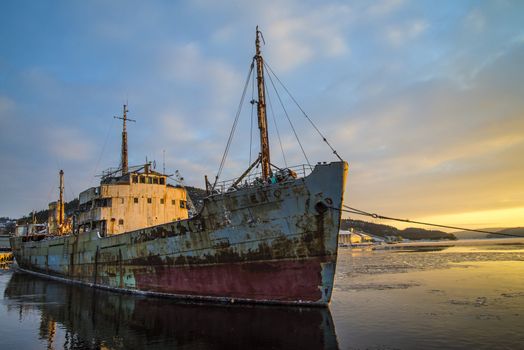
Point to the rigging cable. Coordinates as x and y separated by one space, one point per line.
287 116
378 216
252 117
304 113
276 126
109 129
52 187
232 132
53 184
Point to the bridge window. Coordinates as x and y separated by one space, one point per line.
135 200
103 202
161 200
149 200
120 221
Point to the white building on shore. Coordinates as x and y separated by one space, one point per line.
354 238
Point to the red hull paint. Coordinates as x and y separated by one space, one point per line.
270 280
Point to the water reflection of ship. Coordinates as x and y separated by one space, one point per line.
98 319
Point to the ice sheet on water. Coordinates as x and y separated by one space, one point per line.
377 286
383 262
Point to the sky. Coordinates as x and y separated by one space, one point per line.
424 99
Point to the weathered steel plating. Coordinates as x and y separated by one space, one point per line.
275 243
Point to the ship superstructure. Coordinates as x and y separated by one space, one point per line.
130 198
140 198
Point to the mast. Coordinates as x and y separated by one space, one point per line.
261 112
124 143
61 201
123 157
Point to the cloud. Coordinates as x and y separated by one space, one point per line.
434 147
298 32
7 105
69 144
301 35
193 148
186 63
385 7
479 219
111 20
475 21
224 34
429 126
400 34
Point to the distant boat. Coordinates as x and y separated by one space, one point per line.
269 238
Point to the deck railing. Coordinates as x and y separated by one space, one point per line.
114 172
255 178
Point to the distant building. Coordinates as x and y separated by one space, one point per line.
353 237
7 226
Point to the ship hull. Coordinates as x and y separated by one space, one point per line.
268 244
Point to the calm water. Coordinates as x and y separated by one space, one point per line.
464 297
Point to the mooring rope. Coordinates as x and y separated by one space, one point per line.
352 210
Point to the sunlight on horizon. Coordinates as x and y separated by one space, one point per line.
483 219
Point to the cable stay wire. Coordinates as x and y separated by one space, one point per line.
303 112
51 188
109 129
233 128
348 209
68 190
276 126
53 183
287 116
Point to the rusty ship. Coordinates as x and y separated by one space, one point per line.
269 237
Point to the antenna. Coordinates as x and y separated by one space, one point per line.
123 159
61 202
163 161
